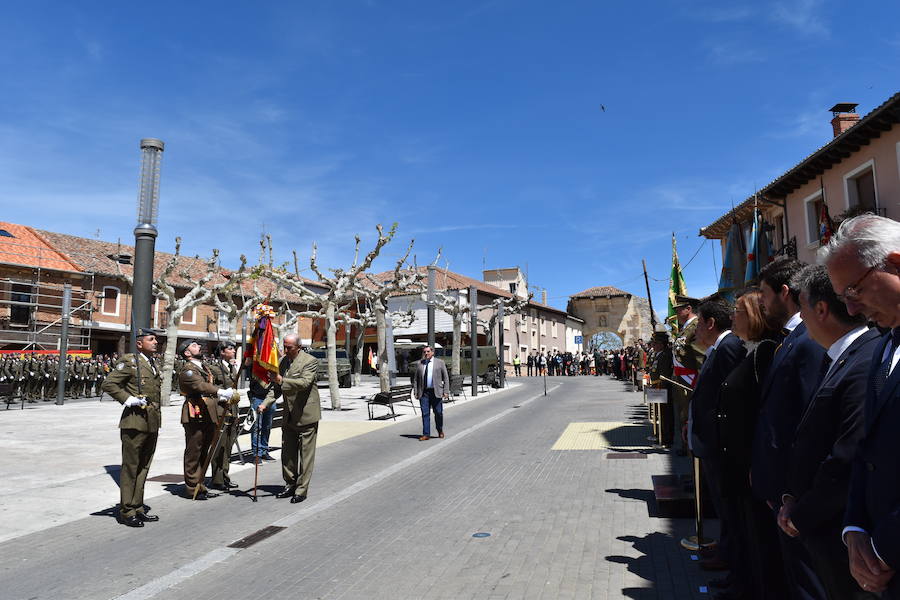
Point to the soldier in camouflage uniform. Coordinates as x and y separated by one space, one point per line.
687 359
224 371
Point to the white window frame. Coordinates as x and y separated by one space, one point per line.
523 323
156 314
193 318
810 242
553 329
506 319
869 164
118 301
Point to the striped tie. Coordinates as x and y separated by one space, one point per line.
884 369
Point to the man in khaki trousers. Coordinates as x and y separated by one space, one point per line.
296 384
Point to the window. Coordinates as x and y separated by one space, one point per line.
779 233
512 287
5 233
523 321
506 322
190 317
156 314
859 187
553 328
110 303
813 205
20 309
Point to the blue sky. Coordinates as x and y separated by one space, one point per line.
477 126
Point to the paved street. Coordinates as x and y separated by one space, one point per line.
391 517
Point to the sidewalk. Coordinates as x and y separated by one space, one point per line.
61 463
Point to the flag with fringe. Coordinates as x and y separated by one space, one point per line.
264 344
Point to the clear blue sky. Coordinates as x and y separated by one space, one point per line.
476 125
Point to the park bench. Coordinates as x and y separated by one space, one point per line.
489 379
396 394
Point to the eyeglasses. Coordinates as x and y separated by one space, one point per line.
851 292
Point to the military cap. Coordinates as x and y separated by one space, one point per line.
682 301
224 346
144 332
661 336
184 345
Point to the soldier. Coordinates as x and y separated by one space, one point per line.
71 377
50 377
135 383
687 357
199 415
17 369
661 366
224 370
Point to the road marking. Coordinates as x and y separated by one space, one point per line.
602 436
149 590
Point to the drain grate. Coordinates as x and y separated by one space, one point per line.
618 455
167 478
258 536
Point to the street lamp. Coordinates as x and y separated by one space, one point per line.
145 233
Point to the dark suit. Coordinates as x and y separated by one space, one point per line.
874 500
704 434
431 398
789 385
821 456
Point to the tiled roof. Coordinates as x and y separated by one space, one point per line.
27 248
448 280
601 290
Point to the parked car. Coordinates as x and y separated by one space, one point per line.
343 366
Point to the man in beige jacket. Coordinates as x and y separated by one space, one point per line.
296 384
431 384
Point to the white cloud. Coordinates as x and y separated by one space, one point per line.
804 16
728 53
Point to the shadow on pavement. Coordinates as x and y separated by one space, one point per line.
114 471
645 496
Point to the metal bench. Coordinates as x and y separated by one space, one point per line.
396 394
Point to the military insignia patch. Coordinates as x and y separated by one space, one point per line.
120 366
188 373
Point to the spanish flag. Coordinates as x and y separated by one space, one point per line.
373 364
265 349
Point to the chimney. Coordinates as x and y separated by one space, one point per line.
544 297
845 117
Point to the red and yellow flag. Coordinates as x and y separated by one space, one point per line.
263 344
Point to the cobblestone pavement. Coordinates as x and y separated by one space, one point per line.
391 517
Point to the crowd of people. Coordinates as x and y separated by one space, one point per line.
789 399
33 377
626 363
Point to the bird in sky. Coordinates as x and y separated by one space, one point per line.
603 108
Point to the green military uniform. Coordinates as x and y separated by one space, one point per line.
199 416
661 366
224 376
690 356
300 422
139 426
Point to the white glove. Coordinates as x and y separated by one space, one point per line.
132 401
225 394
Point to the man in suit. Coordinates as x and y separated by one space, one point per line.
296 384
431 384
199 415
863 262
135 383
724 351
792 379
826 439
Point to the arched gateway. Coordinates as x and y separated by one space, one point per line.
607 308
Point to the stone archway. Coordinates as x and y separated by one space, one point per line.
609 309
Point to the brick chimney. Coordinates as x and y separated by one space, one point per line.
845 117
544 297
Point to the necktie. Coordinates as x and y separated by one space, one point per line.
823 369
885 368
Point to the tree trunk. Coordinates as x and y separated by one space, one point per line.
360 357
331 353
169 359
384 375
457 342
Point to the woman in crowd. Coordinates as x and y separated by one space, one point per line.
756 574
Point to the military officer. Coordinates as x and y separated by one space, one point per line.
135 383
296 382
224 371
661 366
687 358
199 415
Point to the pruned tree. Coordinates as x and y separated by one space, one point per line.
404 278
451 302
511 305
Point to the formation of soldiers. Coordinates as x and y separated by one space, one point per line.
32 377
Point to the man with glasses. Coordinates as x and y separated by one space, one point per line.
863 262
431 384
296 384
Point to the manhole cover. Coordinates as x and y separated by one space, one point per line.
481 534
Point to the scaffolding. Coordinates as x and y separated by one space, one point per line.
31 300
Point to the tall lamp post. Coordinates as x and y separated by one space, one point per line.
145 233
